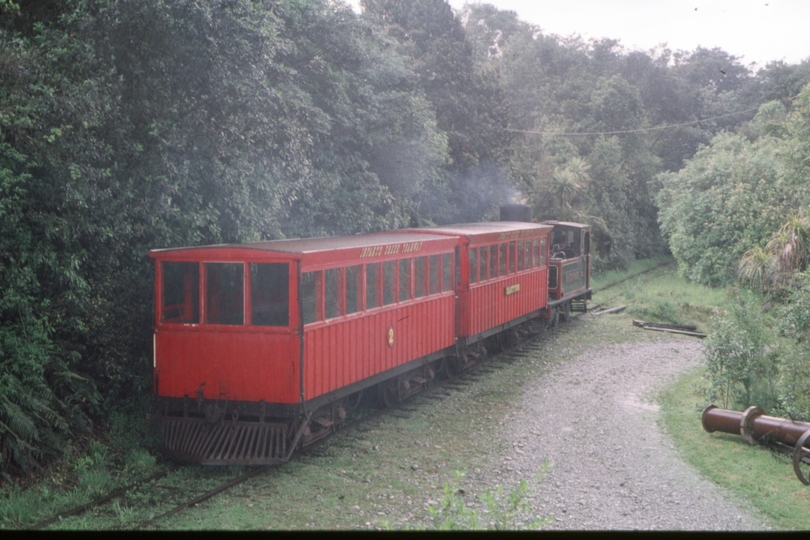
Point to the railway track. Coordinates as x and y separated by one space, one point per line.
439 390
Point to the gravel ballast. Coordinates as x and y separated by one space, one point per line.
595 419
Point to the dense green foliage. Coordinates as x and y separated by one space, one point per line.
736 192
131 125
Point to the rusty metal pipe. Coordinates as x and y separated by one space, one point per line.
757 427
715 419
755 423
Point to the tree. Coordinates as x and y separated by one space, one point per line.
466 99
724 201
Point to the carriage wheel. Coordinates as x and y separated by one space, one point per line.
353 401
452 366
440 368
389 391
566 312
554 320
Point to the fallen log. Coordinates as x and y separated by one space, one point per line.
687 330
611 310
686 327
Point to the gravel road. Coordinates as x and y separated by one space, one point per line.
613 467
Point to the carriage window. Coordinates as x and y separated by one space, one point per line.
536 252
269 294
527 255
310 295
334 293
493 261
404 279
520 250
474 265
483 266
542 252
447 272
420 275
372 285
512 253
181 292
503 257
354 286
225 293
435 276
389 282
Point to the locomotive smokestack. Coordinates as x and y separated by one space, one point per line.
516 212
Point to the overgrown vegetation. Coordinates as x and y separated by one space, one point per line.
740 367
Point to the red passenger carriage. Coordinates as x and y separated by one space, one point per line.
502 282
261 336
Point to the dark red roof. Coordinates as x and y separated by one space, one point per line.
569 224
313 245
488 230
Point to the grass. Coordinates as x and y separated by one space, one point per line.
654 292
603 280
753 473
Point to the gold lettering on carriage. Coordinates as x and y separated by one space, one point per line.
391 249
512 289
517 234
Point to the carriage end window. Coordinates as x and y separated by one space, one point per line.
269 294
181 292
225 293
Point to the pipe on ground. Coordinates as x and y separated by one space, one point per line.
756 427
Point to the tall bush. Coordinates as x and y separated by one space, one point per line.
741 366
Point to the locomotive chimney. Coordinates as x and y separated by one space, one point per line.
516 212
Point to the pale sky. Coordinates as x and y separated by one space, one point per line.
757 30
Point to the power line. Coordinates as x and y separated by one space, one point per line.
630 130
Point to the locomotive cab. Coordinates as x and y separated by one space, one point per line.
569 268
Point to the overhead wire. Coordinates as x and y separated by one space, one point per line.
668 126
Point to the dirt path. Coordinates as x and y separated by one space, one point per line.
613 467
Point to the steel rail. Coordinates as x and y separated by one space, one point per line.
205 496
97 502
